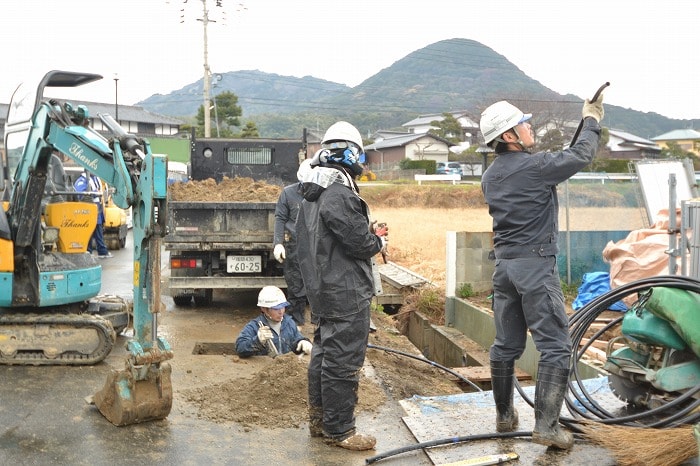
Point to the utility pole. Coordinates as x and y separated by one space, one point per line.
207 73
206 83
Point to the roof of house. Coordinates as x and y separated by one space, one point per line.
404 140
126 113
677 135
429 117
630 140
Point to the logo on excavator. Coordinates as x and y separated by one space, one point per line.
77 152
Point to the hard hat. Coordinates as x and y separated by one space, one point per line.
272 297
499 118
342 131
304 169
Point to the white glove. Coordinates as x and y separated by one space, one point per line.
264 334
280 254
304 346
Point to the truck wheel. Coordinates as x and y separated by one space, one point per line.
122 242
182 300
205 298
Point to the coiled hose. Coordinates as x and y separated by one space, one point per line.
677 412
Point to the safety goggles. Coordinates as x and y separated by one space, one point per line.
337 145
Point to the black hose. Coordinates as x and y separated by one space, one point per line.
579 324
676 412
432 363
445 441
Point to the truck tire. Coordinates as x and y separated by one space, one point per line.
204 297
182 300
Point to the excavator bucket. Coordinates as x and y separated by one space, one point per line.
124 400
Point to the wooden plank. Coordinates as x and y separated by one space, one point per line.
483 373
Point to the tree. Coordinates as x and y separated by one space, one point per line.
448 128
673 150
249 131
227 112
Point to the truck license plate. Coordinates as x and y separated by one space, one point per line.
243 264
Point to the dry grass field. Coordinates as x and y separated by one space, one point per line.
417 235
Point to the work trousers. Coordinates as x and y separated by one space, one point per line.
527 295
340 344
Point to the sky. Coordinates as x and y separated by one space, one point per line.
646 50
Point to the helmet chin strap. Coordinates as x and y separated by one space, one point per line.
518 142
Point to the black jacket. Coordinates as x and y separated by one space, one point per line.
335 245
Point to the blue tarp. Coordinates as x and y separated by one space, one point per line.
595 284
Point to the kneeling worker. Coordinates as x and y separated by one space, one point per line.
272 332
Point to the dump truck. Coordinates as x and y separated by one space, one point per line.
221 222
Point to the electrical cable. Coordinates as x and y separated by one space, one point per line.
428 361
445 441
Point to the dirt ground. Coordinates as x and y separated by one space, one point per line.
276 393
280 384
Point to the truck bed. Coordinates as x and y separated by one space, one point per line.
221 225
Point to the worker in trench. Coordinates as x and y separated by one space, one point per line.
336 245
520 189
273 332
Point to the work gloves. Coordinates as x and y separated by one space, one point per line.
304 346
280 253
594 109
264 334
381 230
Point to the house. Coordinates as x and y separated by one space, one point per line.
627 146
421 125
389 152
135 120
687 139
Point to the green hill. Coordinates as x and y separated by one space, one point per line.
450 75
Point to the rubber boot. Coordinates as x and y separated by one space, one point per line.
502 381
315 421
550 390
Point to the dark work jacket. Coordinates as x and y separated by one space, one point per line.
286 213
521 191
335 245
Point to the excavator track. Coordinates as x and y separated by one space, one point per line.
54 339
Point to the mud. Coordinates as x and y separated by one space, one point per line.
229 189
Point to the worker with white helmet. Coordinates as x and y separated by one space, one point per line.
336 247
285 249
520 189
272 332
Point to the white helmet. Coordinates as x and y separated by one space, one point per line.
304 169
499 118
272 297
343 131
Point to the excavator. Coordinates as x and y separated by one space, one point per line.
50 309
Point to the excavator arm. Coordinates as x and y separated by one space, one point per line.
35 128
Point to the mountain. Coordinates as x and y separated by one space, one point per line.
450 75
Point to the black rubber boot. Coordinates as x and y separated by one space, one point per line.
502 380
549 396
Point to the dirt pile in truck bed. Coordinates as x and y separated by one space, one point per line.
228 190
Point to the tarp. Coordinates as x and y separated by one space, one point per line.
595 284
642 254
